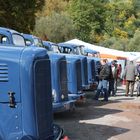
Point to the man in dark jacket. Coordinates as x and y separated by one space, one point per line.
130 74
103 80
113 78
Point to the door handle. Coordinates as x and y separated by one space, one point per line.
11 99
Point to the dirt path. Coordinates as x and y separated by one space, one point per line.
118 119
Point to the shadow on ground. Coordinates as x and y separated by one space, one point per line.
84 131
70 122
76 130
91 110
85 113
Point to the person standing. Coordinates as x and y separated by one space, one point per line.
119 72
119 67
103 80
113 79
130 73
138 80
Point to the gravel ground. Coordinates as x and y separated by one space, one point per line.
117 119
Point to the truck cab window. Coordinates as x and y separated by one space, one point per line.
76 51
4 39
38 42
18 40
28 42
67 50
55 49
82 50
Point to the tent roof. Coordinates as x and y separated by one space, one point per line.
106 52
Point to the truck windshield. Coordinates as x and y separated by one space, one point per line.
55 48
76 51
18 40
81 48
38 42
65 50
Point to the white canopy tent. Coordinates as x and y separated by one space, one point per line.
133 56
103 50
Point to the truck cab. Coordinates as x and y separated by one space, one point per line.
32 40
75 50
95 56
25 86
10 37
61 102
74 80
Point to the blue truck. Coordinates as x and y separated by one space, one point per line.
91 71
73 49
61 101
93 63
73 72
25 86
94 55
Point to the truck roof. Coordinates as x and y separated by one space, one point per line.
90 51
70 45
8 30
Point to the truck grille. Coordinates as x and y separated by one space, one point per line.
93 69
98 66
43 98
63 80
85 71
78 75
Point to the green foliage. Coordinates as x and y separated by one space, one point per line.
88 18
111 23
134 44
19 14
115 43
120 18
56 27
51 6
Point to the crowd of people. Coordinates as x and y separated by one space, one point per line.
110 76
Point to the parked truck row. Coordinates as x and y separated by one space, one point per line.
39 78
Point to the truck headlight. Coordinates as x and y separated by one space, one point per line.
62 96
54 94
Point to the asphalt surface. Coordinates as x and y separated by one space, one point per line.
117 119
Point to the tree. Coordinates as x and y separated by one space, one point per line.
19 15
121 22
88 17
51 6
56 27
115 43
134 44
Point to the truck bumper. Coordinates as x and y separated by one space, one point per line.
63 106
76 97
86 87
